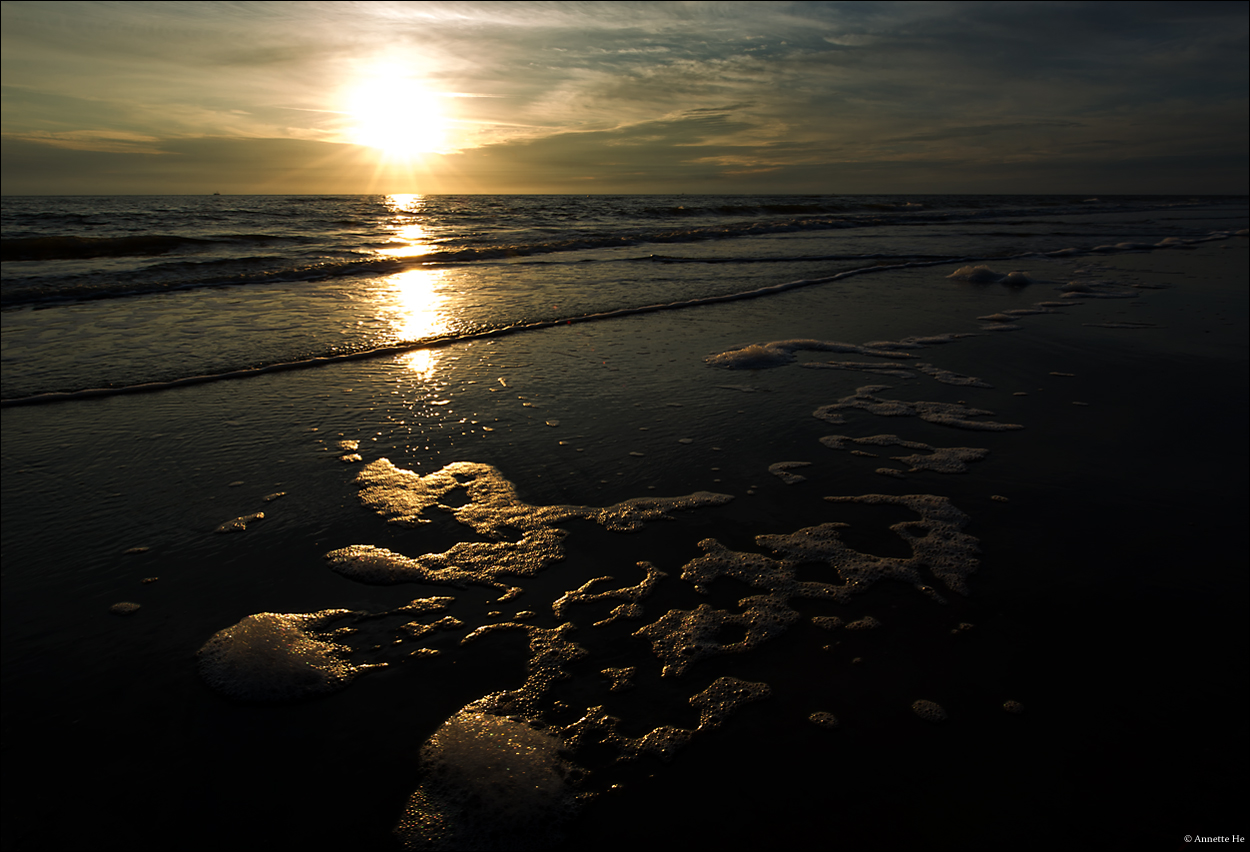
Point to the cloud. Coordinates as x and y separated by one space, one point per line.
117 141
694 92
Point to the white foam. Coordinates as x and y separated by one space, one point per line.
941 460
725 696
631 595
944 459
622 677
945 413
278 657
781 470
778 353
489 782
681 638
947 377
493 510
239 524
982 274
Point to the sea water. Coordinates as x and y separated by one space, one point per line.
516 521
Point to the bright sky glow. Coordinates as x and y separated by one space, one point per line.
625 97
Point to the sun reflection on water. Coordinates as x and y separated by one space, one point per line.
415 242
420 361
418 305
409 239
404 202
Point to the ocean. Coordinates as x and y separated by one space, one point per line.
529 522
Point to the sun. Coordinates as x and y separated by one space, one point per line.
397 115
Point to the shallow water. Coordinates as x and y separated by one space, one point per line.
1106 577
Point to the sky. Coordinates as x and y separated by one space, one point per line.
737 97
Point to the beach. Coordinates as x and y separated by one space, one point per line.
1021 620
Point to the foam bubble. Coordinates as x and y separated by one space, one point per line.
723 697
278 657
631 595
948 377
753 357
886 440
681 638
944 459
937 542
378 566
982 274
489 782
781 470
929 711
823 719
239 524
494 510
622 678
945 413
778 353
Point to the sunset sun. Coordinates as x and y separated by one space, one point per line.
397 116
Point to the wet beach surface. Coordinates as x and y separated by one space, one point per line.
1108 600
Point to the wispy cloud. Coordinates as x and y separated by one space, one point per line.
746 88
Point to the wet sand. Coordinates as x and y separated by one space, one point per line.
1108 600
